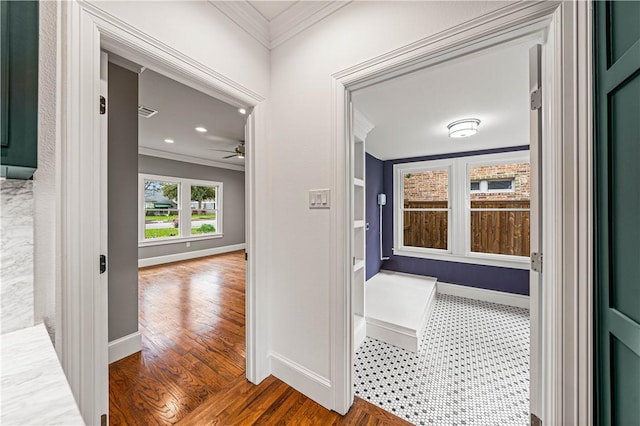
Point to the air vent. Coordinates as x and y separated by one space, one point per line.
146 112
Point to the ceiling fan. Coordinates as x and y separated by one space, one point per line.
237 152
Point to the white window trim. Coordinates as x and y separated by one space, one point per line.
185 200
458 246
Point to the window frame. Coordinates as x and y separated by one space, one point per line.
459 243
423 166
184 209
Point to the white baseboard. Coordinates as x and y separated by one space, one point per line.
159 260
302 379
125 346
518 300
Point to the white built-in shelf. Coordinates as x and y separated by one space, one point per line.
358 182
359 264
358 223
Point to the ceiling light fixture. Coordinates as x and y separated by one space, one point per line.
201 129
169 140
463 128
242 111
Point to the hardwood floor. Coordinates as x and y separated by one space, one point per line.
191 370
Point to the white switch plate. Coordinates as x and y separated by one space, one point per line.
319 198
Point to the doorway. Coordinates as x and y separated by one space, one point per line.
82 315
176 208
457 215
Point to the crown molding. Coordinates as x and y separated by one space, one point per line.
292 21
361 126
187 159
299 17
246 17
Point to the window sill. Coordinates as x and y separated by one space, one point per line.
504 261
176 240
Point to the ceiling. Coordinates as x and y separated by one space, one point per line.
271 9
180 110
411 113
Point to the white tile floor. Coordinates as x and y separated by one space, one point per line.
472 368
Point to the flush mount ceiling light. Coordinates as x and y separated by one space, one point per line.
169 140
242 111
463 128
201 129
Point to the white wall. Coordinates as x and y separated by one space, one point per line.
200 31
300 143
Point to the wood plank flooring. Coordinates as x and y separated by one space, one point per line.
191 370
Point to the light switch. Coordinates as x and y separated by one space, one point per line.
319 199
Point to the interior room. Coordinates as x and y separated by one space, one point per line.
441 296
176 245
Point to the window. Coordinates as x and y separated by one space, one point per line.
175 209
426 209
467 209
494 185
499 215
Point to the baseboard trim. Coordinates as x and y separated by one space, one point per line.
125 346
302 379
160 260
501 297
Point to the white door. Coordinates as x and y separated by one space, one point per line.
535 287
101 293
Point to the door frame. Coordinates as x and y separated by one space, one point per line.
567 312
81 308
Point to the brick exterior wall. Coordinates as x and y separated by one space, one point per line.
426 186
519 172
433 185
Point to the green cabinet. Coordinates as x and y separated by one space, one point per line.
19 88
617 211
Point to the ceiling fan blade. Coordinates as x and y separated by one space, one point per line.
221 150
229 156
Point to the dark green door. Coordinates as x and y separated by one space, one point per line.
617 197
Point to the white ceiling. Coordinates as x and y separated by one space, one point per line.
271 9
411 113
180 110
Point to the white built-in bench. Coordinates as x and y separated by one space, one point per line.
397 307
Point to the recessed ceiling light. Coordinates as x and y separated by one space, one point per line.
463 128
242 111
169 140
201 129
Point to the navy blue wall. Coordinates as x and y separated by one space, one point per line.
487 277
374 187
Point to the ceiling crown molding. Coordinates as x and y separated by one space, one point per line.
299 17
151 152
361 126
292 21
246 17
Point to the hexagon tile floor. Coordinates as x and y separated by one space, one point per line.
472 367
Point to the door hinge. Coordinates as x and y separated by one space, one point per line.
103 105
535 421
536 262
103 420
103 263
246 256
536 99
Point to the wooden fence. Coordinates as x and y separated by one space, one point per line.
499 232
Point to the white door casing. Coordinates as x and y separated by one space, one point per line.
82 309
560 27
